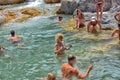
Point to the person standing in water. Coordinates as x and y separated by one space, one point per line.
92 25
69 71
99 8
79 19
60 47
117 31
60 18
15 38
2 48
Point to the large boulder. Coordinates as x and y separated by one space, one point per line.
69 6
2 2
52 1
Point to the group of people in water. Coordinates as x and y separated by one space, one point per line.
68 70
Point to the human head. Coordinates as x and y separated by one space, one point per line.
59 37
60 18
12 32
78 11
51 76
72 59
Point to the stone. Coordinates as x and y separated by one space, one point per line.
69 6
52 1
5 2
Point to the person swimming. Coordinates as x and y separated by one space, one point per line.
99 8
16 39
2 48
79 19
50 76
117 31
92 25
59 47
60 18
69 71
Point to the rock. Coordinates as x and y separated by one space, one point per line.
52 1
22 15
69 6
3 2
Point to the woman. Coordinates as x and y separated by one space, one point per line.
79 19
99 8
60 47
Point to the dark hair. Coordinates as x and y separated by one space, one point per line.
71 57
60 17
12 32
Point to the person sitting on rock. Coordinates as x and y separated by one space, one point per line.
60 47
93 24
69 71
99 8
50 76
79 19
117 31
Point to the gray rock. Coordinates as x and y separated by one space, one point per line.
69 6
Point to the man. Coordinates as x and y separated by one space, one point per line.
15 38
99 8
93 24
117 31
69 71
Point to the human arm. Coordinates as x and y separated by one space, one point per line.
82 76
66 48
99 25
113 33
115 16
88 26
56 49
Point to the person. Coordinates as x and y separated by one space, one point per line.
59 48
68 70
60 18
15 38
50 76
79 19
92 25
2 48
99 8
117 31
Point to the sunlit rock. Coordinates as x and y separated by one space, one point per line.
52 1
11 1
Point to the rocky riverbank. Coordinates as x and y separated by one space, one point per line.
69 6
52 1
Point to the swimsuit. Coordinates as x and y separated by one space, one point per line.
119 24
99 3
17 41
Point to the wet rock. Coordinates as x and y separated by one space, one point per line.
22 15
52 1
3 2
68 6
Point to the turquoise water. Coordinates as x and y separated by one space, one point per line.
36 58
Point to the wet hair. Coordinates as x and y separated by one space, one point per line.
60 17
12 32
71 57
51 76
58 36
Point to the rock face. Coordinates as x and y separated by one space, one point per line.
69 6
52 1
3 2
